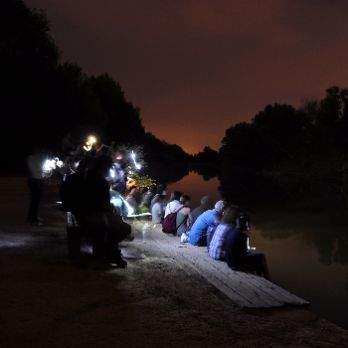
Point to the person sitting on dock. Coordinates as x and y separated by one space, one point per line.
174 203
198 232
157 210
205 203
160 191
183 217
237 254
218 242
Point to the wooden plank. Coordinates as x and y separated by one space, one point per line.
233 287
246 290
265 286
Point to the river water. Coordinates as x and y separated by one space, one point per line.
307 253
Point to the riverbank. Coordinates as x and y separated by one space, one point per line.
47 302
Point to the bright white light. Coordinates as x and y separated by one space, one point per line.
130 209
116 200
49 165
91 140
112 173
133 156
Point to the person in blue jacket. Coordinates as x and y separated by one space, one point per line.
198 232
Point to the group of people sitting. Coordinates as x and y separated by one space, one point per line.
224 230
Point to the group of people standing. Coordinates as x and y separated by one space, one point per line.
223 229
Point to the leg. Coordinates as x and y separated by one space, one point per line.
256 262
36 189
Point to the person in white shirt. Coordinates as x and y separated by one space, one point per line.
157 210
174 203
183 217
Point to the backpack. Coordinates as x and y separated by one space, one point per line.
169 223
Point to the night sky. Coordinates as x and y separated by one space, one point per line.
197 67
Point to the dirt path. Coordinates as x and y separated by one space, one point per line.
47 302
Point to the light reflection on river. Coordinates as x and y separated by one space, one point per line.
307 253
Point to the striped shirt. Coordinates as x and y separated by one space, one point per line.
217 244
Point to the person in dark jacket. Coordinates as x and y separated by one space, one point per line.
237 255
94 211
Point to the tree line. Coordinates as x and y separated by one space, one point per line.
289 152
50 103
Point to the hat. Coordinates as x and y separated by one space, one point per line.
219 206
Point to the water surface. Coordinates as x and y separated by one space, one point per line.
307 251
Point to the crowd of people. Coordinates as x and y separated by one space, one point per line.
222 228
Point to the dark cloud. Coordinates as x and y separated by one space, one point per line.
197 67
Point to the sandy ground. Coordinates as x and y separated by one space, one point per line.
45 301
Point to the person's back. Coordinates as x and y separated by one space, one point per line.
198 232
157 211
205 202
216 246
98 194
227 227
236 249
147 198
174 204
183 217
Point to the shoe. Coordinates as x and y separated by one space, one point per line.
184 238
117 258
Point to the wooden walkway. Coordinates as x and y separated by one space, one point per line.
246 290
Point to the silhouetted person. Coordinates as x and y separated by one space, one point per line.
237 255
35 163
96 213
205 204
157 210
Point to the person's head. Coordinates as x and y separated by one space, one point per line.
160 198
219 208
205 202
176 196
185 200
230 215
160 188
243 222
153 189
